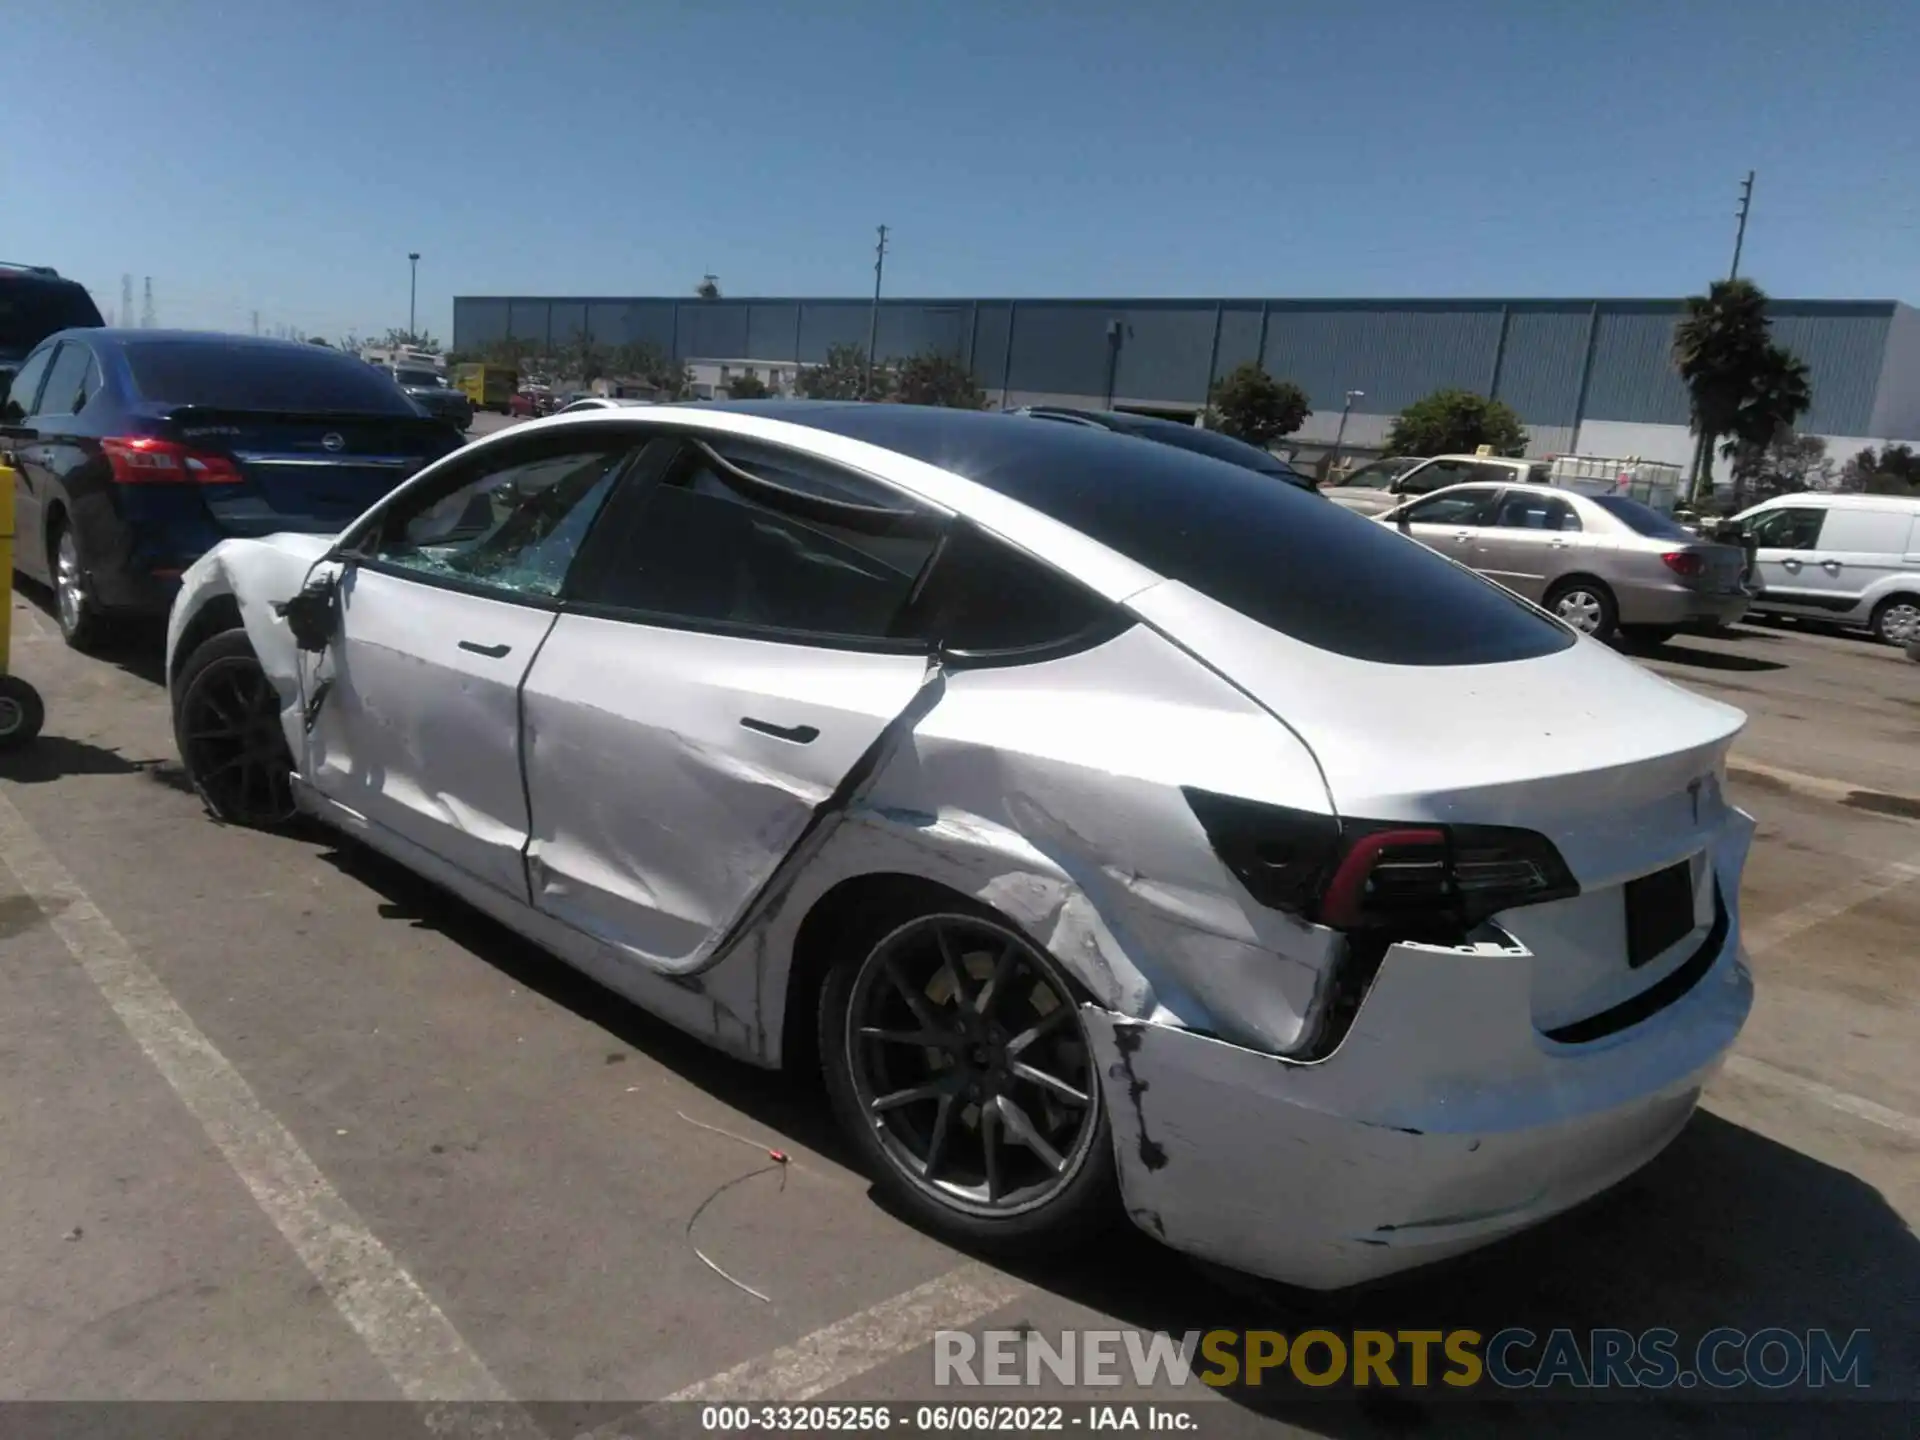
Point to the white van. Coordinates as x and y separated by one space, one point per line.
1850 559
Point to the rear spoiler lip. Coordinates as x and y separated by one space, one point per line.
208 414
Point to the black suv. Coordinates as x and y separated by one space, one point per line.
35 301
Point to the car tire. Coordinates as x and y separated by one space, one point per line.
82 624
1586 605
1050 1209
22 712
1896 619
226 725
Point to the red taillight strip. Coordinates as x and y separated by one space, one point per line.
1341 903
146 460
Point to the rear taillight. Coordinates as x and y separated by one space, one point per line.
1687 564
143 460
1413 881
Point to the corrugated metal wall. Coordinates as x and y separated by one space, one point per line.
1556 362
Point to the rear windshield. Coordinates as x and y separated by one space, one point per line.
31 310
1643 519
1279 555
247 376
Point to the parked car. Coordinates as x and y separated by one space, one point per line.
431 393
1846 559
598 402
530 404
35 301
1182 436
1372 475
1098 816
1386 484
1601 563
136 451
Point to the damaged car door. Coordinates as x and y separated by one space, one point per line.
726 656
447 595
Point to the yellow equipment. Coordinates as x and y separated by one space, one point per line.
21 712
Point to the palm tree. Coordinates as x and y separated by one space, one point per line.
1719 348
1779 392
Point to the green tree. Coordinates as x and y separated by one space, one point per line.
584 358
934 377
350 344
1720 348
1762 446
842 376
1895 470
748 387
1456 422
1249 404
1785 463
644 361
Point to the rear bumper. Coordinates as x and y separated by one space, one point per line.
1444 1121
1677 606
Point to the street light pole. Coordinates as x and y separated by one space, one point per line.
1341 434
873 317
413 290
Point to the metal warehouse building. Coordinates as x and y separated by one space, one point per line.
1592 376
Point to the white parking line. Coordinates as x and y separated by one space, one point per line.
400 1325
1779 929
1772 933
849 1348
1745 1067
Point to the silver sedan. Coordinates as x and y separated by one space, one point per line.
1601 563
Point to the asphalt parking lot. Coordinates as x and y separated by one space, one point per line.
279 1121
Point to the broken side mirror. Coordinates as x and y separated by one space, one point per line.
313 614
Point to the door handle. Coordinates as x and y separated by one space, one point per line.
796 734
1790 565
1832 567
492 652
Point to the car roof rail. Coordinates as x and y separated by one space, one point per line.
47 270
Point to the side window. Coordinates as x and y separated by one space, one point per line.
985 598
761 540
64 395
1523 510
1787 529
515 527
26 386
1471 506
1436 476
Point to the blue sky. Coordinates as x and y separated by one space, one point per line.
254 156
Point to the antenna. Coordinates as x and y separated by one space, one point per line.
146 306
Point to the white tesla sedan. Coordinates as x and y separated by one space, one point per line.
1102 819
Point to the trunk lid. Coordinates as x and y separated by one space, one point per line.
305 471
1618 767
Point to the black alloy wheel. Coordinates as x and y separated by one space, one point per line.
959 1063
227 726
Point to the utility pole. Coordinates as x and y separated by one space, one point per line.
146 306
126 302
1341 434
256 322
1740 235
873 319
413 289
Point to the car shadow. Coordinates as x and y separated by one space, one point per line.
135 645
54 757
1677 653
1726 1228
796 1111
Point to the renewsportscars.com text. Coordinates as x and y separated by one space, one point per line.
1772 1359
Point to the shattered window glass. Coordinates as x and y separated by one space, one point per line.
517 529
